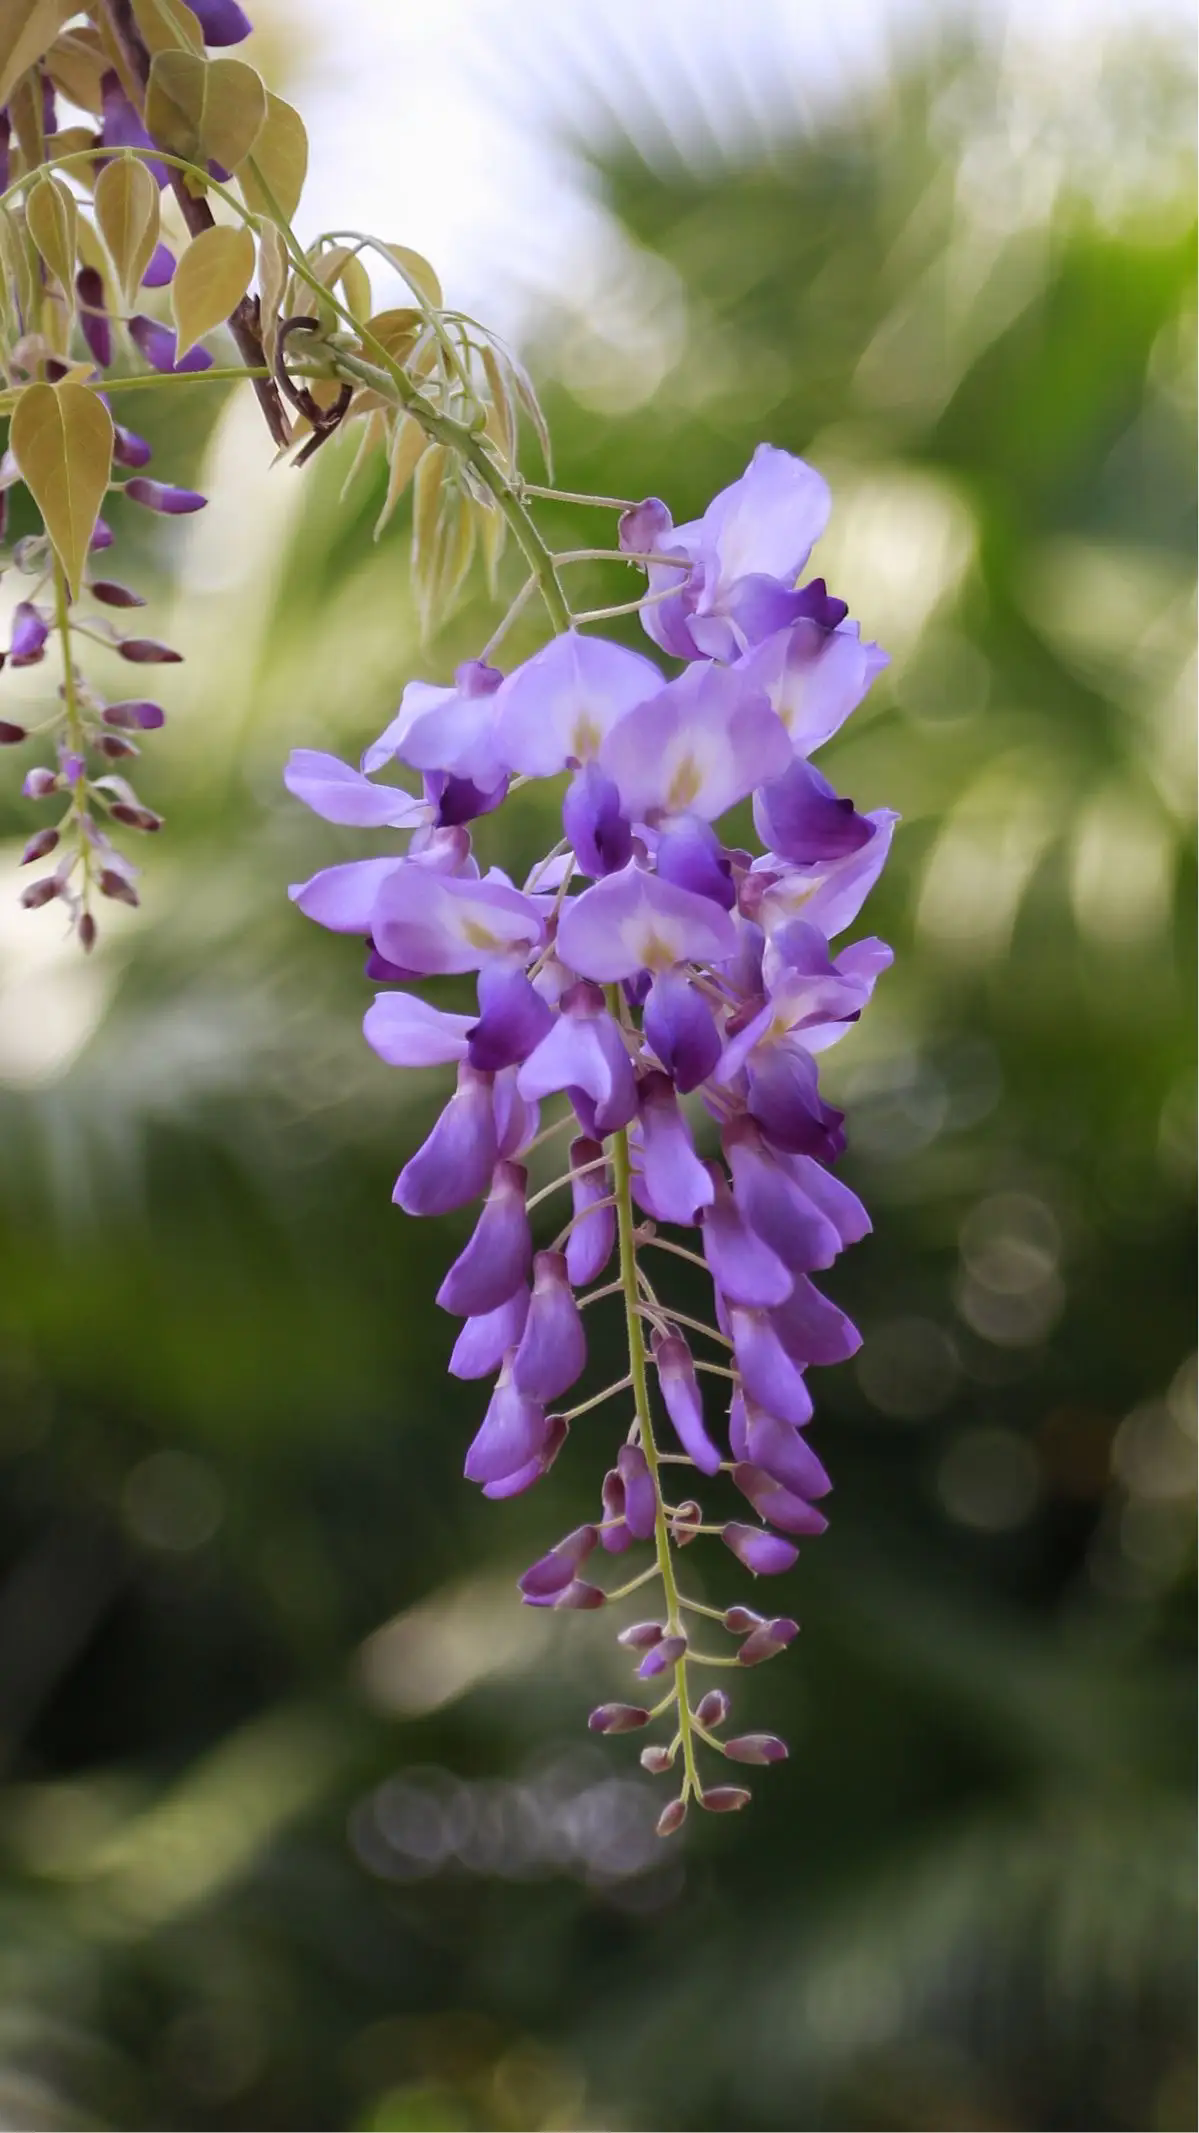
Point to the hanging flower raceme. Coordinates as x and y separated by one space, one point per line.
642 962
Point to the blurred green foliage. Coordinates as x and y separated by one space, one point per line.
299 1822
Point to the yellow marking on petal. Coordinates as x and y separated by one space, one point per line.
477 936
684 786
585 737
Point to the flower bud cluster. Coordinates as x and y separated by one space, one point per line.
642 963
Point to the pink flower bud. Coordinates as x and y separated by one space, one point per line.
618 1718
713 1708
687 1518
671 1818
656 1760
724 1799
641 1636
756 1748
41 843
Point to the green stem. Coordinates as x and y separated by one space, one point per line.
626 1227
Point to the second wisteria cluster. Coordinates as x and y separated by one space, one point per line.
643 962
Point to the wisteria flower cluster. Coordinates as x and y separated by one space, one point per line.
657 982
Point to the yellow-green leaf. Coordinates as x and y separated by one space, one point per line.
76 65
168 26
210 280
51 214
374 436
20 263
272 283
127 212
279 164
417 273
407 450
61 439
27 29
205 109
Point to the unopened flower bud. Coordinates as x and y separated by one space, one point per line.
685 1524
555 1571
579 1594
134 714
110 594
671 1818
756 1748
724 1799
163 496
713 1708
29 633
665 1654
115 746
139 818
740 1620
87 930
764 1643
41 892
114 885
42 842
94 323
766 1554
147 652
618 1718
10 733
615 1536
642 1636
39 783
657 1760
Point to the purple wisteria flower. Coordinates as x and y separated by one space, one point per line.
645 961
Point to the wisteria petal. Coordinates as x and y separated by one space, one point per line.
682 1029
632 921
829 897
554 1571
513 1018
343 897
814 678
813 1330
454 1165
592 1238
339 794
690 854
697 747
766 1554
834 1199
744 1268
584 1050
775 1205
440 923
777 1504
799 816
640 1496
770 1377
779 1449
674 1184
484 1342
768 521
496 1261
512 1434
555 709
407 1031
600 837
683 1400
553 1347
